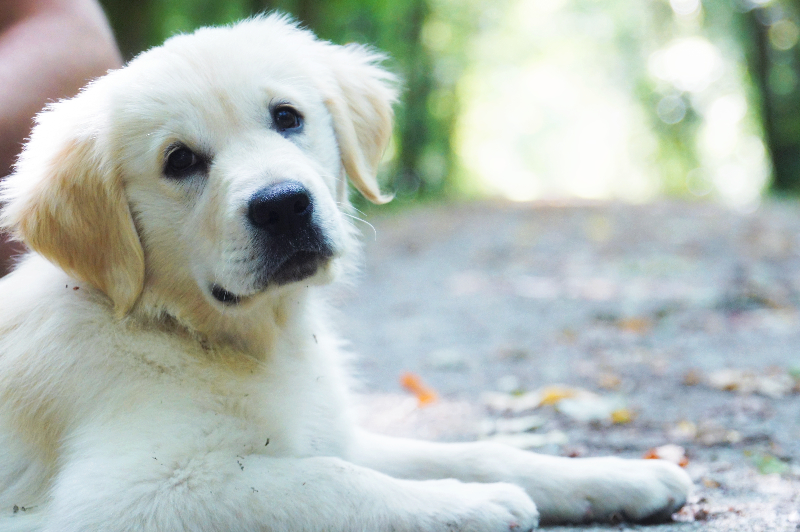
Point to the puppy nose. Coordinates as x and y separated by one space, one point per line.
281 208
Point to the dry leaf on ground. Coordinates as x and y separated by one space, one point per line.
669 452
413 383
577 403
772 384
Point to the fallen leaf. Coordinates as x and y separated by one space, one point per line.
693 377
730 380
669 452
551 395
577 403
773 384
587 407
413 383
621 416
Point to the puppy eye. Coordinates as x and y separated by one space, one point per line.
180 162
287 118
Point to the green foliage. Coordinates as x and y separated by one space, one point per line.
435 45
770 42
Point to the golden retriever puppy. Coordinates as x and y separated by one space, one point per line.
165 359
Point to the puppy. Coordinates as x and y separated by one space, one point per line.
165 358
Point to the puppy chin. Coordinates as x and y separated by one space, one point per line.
318 272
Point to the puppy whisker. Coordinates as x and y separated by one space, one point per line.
374 231
340 203
362 213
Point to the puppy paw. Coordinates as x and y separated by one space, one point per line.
497 507
614 490
514 508
663 490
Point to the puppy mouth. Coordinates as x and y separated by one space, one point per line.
296 267
223 296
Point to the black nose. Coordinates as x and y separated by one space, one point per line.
282 208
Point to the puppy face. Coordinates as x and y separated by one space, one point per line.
230 170
209 168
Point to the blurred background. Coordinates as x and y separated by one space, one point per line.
550 99
670 324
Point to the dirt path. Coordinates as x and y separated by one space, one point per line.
680 320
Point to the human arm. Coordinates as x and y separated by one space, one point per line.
49 49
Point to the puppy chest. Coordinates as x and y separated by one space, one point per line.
273 413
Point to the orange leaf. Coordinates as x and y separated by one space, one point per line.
413 383
672 453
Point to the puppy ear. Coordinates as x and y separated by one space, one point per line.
65 201
361 106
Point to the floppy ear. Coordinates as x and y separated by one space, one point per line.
65 201
360 103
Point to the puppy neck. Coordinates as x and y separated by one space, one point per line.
253 328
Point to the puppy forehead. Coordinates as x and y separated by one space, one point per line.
220 76
210 87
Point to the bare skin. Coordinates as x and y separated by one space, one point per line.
49 49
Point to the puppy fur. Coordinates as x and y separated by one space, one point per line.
163 367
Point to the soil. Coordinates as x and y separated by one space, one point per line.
683 315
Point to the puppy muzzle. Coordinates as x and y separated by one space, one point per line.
288 241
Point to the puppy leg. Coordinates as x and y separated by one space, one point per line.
215 491
565 490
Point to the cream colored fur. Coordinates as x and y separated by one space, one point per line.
132 400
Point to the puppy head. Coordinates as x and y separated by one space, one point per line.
208 171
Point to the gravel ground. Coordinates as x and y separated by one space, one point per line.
682 316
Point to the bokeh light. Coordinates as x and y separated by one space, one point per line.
549 112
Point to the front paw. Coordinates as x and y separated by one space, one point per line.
665 488
614 489
497 507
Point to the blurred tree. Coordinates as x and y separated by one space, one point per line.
761 36
132 23
770 34
639 34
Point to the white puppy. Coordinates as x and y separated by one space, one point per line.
165 359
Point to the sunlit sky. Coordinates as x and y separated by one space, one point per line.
547 111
